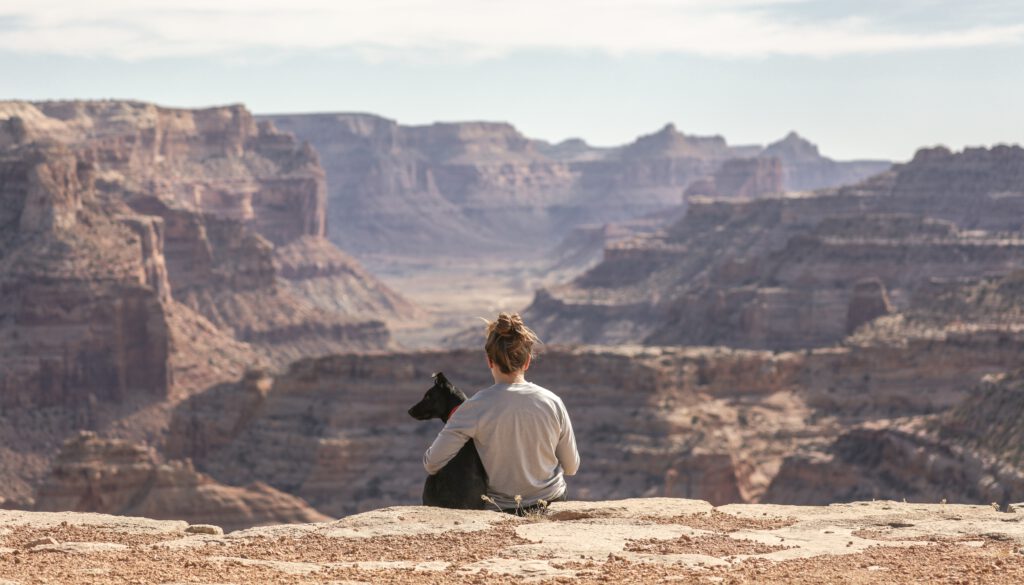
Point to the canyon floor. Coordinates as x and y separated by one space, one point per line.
656 540
455 295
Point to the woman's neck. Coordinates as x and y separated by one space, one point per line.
500 377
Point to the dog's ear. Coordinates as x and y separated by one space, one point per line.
439 378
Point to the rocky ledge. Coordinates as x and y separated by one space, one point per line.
653 540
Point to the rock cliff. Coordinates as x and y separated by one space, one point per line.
218 197
784 272
83 293
806 169
118 477
477 189
147 253
713 423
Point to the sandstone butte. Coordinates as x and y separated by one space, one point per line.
652 540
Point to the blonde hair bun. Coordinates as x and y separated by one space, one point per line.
509 342
508 324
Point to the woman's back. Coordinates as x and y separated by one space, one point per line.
525 440
522 431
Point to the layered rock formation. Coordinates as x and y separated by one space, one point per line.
788 272
693 422
478 189
83 293
744 178
215 197
148 253
118 477
806 169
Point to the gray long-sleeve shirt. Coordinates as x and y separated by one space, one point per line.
524 438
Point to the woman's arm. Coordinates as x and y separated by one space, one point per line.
568 456
459 429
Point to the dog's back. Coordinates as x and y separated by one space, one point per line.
461 483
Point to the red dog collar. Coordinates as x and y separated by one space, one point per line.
453 412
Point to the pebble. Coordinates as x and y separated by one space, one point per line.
204 529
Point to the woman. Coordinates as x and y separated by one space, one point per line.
522 431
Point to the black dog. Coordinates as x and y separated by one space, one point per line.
463 480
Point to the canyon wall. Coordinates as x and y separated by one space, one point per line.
784 273
715 423
118 477
83 294
477 189
806 169
241 213
147 253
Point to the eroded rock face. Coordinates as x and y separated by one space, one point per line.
214 160
212 196
118 477
708 422
806 169
148 253
784 272
743 178
479 189
82 294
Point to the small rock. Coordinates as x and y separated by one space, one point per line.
204 529
42 541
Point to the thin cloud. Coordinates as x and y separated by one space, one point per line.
471 29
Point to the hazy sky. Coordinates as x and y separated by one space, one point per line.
862 78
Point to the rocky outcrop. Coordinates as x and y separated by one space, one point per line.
476 190
212 195
990 419
783 272
318 272
82 294
889 462
139 263
806 169
214 160
743 178
648 540
868 301
110 476
233 277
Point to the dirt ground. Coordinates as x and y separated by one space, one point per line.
657 540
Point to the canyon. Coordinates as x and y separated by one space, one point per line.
203 317
483 189
792 272
147 253
483 209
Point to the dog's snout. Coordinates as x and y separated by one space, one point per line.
419 411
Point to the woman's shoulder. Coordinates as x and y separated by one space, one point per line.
544 392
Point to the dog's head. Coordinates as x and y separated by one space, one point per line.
439 401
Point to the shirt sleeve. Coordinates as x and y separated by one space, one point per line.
568 456
460 428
